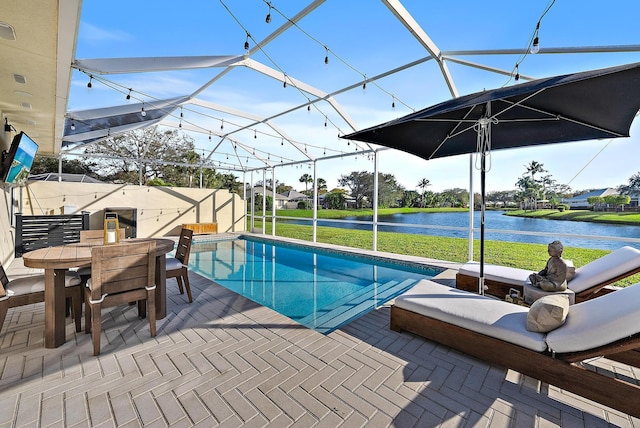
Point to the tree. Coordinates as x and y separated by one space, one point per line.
423 184
633 187
306 179
533 168
335 200
122 157
45 164
359 184
596 201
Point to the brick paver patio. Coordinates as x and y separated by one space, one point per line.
226 361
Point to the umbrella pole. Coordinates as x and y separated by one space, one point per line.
482 208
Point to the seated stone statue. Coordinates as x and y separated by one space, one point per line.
554 276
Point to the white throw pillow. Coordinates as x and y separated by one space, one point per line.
548 313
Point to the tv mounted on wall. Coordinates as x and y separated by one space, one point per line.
16 163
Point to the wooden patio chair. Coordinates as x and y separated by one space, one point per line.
495 331
30 289
120 274
178 266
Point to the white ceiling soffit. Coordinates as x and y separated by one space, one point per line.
85 126
35 68
150 64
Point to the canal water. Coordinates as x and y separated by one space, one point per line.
495 220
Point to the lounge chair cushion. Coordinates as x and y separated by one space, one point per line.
548 313
173 263
508 275
481 314
614 264
598 322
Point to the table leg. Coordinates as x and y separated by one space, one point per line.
54 308
161 286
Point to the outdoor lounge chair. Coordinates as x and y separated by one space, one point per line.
495 331
589 280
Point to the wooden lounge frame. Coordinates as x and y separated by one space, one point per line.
561 370
500 289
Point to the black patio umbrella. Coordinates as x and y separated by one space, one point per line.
581 106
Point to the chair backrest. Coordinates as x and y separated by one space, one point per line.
4 279
96 236
122 267
184 246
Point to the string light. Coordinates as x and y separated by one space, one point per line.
282 141
246 42
142 112
222 124
129 94
326 55
284 81
535 47
268 18
325 121
89 85
73 126
517 77
393 101
209 135
255 134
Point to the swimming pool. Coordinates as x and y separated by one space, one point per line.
317 288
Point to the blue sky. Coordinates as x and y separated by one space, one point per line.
364 39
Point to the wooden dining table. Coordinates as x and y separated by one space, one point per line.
56 261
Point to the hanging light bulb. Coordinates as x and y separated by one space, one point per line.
326 55
142 112
255 134
129 94
393 101
246 42
535 47
268 18
364 84
284 81
89 85
325 121
282 141
308 107
209 135
73 126
222 124
517 77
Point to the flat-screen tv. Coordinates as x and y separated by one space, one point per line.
16 163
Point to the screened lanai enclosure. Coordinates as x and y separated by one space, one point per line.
267 89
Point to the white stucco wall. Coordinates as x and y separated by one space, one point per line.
161 211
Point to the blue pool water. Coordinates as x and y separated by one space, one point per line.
319 289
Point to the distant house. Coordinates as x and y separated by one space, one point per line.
280 200
294 197
580 202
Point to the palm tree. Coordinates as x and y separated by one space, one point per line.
306 179
533 168
423 184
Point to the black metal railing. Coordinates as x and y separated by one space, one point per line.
41 231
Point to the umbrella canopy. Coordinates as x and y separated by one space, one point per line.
581 106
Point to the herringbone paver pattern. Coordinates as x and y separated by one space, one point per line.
226 361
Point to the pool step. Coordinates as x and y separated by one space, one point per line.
356 304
